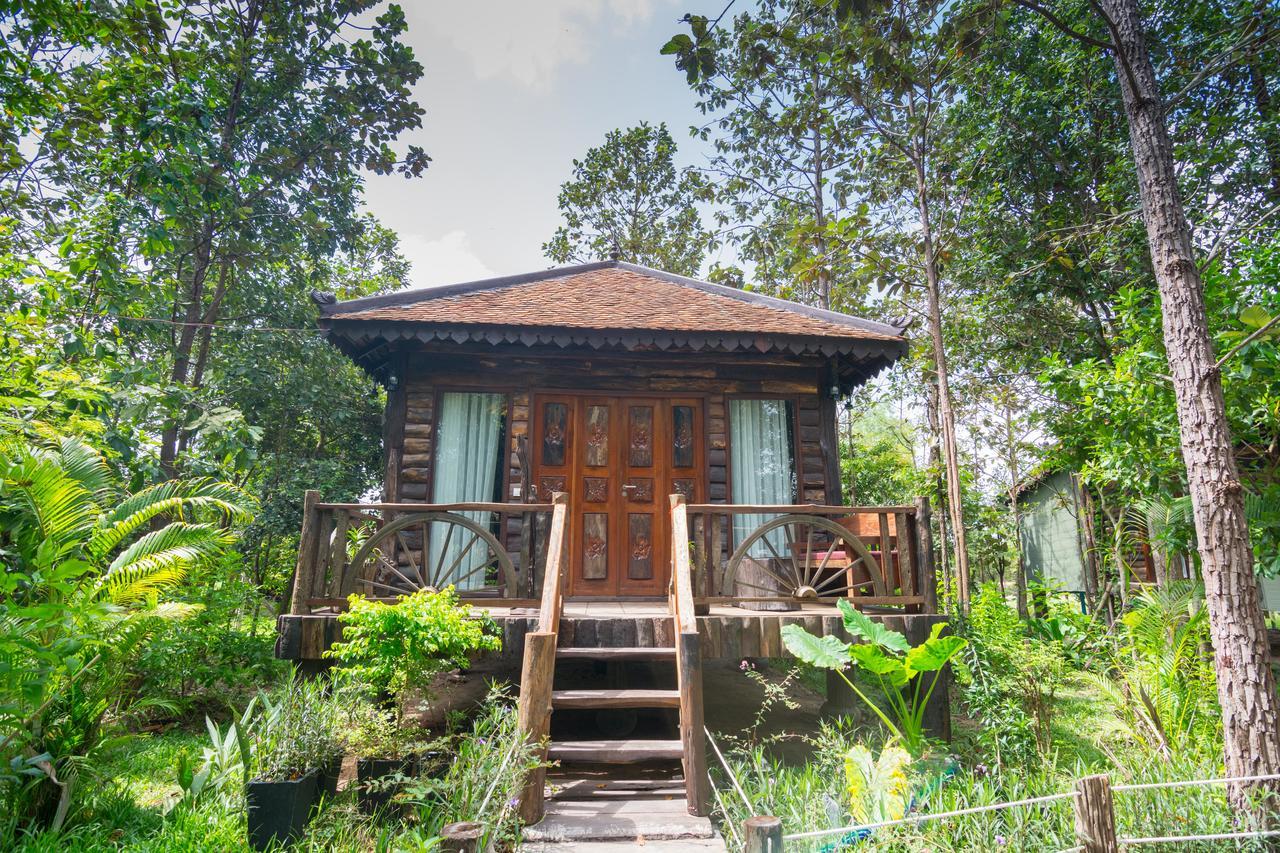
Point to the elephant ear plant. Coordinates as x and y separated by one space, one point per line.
906 674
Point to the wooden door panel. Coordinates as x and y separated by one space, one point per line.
640 521
596 562
618 458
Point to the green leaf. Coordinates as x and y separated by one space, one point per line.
877 661
860 625
935 653
825 652
1255 317
678 44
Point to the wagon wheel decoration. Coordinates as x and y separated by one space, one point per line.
475 555
819 559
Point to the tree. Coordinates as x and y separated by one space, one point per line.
785 139
627 198
1246 685
204 142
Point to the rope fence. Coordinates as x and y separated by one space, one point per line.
1092 803
917 819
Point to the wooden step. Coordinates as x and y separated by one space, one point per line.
615 751
602 698
631 653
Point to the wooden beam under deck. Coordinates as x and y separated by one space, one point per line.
727 632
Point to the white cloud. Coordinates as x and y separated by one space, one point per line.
527 41
445 260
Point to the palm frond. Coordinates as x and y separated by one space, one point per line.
86 466
208 539
53 505
171 497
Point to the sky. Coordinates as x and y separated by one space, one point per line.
513 92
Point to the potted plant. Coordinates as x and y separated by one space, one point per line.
281 796
327 725
383 756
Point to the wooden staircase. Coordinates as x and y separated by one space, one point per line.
539 697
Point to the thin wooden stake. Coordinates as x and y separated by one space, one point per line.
1095 815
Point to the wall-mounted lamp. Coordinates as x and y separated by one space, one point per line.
393 380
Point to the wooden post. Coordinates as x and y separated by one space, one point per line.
1095 815
461 837
534 720
696 782
924 536
688 663
762 835
305 569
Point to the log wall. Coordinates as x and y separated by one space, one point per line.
424 373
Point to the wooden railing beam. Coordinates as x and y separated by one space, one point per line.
478 506
794 509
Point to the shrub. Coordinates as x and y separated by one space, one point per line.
489 763
86 565
1162 683
220 659
390 648
1008 679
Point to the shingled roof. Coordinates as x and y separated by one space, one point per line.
609 304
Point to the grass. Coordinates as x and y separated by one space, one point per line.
1086 739
130 804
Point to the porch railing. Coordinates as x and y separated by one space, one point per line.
765 557
778 556
491 551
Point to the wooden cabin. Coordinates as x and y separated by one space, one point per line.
627 462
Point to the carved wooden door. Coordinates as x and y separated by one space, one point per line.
619 458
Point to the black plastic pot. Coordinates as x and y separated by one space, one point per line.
278 810
432 764
369 769
327 780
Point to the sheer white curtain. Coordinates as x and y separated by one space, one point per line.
468 428
762 463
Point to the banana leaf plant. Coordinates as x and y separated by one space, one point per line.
906 674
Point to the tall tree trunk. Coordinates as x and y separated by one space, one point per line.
946 415
1015 479
193 308
820 221
1246 687
939 485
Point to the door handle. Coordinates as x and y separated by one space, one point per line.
628 488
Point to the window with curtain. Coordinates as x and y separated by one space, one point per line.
468 468
762 463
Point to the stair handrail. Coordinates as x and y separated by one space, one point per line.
538 672
681 568
688 661
553 576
